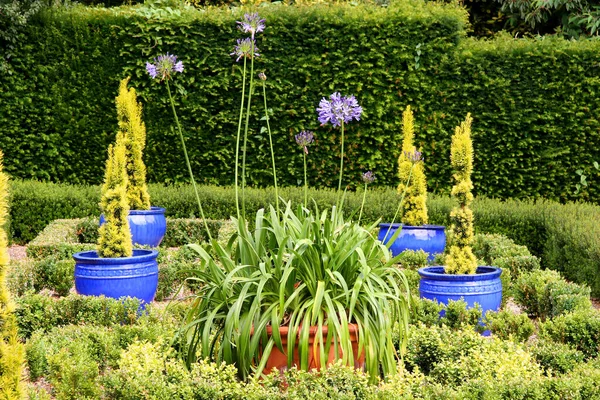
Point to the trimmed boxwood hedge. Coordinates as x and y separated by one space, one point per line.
565 237
534 126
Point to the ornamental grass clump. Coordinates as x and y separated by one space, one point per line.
460 258
414 207
114 236
133 129
11 349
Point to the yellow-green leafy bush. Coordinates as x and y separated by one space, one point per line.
11 350
414 207
131 126
114 235
460 259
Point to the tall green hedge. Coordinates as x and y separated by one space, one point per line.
565 237
534 102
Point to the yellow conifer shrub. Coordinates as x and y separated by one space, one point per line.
460 259
131 126
114 236
414 208
11 350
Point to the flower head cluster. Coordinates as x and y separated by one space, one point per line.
304 138
368 177
252 23
338 109
164 66
245 48
413 156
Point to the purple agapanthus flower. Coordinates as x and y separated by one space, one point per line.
413 156
245 48
304 138
164 66
337 109
368 177
252 23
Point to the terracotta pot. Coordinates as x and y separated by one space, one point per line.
278 360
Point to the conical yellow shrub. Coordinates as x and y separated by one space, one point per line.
460 259
114 236
11 350
133 129
414 207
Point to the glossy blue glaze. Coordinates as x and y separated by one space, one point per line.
147 227
484 287
135 276
429 238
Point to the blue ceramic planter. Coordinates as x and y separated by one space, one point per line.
429 238
135 276
147 227
484 287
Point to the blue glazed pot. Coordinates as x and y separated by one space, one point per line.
484 287
429 238
135 276
147 227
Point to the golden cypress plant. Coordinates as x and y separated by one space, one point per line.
460 259
11 350
129 115
114 235
414 208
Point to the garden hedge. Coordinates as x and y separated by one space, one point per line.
564 237
534 125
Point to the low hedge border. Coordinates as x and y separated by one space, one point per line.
62 238
565 237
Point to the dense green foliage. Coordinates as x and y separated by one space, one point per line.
545 294
68 65
35 312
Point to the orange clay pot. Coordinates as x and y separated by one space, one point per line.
278 360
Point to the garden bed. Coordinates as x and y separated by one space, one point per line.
544 343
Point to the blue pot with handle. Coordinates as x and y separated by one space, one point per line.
135 276
148 227
429 238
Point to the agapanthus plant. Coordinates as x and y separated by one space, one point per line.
290 272
304 139
337 111
164 68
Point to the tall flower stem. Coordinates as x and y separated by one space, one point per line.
187 161
341 161
362 204
237 142
271 145
246 131
305 183
400 203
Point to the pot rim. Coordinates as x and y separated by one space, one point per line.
152 211
139 255
484 272
284 330
395 225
